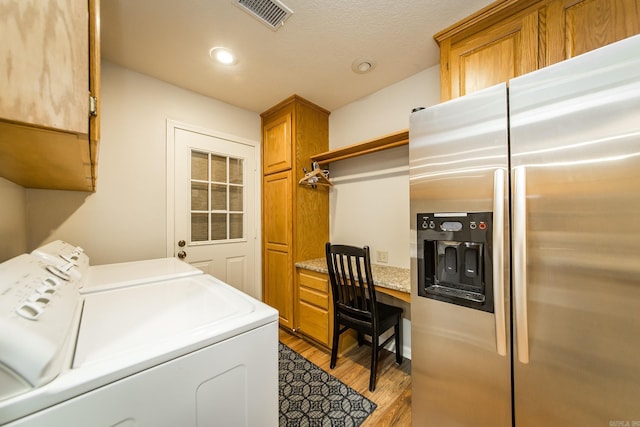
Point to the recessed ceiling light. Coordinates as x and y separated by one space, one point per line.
222 55
362 66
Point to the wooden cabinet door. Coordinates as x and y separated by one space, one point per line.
278 284
277 232
277 144
505 50
277 211
575 27
50 60
44 57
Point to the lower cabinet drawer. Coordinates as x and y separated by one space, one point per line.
320 300
319 282
314 322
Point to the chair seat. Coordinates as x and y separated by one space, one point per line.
387 313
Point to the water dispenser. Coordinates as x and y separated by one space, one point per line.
454 258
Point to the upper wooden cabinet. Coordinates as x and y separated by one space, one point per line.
295 218
50 58
513 37
575 27
277 143
504 50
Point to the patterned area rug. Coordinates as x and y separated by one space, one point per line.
311 397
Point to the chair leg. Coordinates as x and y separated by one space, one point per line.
334 345
398 333
374 361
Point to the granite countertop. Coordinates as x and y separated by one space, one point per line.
395 278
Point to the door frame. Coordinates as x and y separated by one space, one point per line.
172 126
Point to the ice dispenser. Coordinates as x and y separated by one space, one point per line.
454 258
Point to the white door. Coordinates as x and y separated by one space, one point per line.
214 209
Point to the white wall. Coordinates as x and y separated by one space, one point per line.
125 219
13 227
369 203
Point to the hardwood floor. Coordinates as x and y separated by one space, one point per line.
393 386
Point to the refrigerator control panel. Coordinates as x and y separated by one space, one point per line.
444 222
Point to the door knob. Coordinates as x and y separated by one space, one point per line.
182 254
181 243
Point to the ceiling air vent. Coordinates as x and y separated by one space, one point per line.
272 13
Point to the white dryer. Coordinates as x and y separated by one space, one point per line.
187 351
71 259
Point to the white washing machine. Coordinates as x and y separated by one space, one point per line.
186 351
72 259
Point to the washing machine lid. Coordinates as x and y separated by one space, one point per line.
138 327
125 274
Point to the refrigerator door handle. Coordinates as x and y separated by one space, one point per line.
498 261
520 262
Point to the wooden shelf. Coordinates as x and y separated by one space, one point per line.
385 142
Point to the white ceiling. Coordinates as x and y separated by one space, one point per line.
311 55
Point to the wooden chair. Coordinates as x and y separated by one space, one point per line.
355 305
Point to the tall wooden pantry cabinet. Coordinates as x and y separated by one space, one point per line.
295 220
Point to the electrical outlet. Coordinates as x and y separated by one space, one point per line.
382 256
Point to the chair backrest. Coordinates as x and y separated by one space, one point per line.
354 296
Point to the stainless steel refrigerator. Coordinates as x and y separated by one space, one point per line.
525 212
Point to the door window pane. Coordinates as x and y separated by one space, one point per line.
218 197
199 227
236 171
218 168
199 165
235 198
235 226
218 226
199 196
